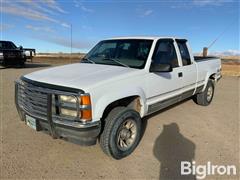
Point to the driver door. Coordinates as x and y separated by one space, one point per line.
164 88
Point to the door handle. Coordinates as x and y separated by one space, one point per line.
180 74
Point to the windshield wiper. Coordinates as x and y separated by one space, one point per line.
89 60
116 61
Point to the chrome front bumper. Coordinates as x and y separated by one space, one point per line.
74 131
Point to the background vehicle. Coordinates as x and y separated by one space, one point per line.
10 54
118 82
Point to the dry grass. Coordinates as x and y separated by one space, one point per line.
57 59
230 64
230 57
230 70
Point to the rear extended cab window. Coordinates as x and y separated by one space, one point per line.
183 49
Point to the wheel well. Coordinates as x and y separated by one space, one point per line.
212 77
132 102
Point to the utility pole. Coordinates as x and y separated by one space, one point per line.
71 42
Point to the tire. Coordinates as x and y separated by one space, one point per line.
22 63
4 63
118 127
205 98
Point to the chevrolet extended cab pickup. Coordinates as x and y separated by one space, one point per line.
116 84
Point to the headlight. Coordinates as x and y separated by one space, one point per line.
68 112
1 54
69 106
70 99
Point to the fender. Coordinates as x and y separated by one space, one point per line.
209 74
106 99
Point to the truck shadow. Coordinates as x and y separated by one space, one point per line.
170 149
146 118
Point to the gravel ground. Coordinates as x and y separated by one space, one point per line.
183 132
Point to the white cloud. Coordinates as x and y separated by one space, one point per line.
54 5
25 12
31 10
203 3
230 52
38 6
84 8
66 25
143 12
199 3
37 28
5 27
147 12
80 5
77 44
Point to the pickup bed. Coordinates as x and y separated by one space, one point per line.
115 85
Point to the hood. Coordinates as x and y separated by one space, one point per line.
10 50
81 75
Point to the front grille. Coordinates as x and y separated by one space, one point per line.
12 54
32 99
41 102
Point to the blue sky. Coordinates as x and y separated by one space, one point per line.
45 24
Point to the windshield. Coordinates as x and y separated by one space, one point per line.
7 45
129 53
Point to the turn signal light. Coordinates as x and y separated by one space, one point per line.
85 100
86 114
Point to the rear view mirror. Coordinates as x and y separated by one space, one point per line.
160 68
20 47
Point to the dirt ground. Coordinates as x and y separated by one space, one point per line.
183 132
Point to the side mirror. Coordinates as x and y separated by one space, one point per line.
20 47
161 68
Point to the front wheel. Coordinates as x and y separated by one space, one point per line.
122 132
205 98
22 63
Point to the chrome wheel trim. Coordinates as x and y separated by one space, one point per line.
127 134
209 93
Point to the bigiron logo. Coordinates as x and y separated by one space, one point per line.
201 171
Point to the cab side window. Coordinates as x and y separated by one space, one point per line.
165 53
186 60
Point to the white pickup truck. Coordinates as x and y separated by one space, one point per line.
116 84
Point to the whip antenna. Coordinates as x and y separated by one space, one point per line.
205 49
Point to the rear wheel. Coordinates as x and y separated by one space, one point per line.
122 132
205 98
